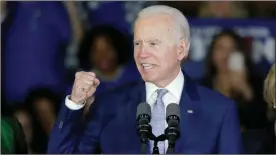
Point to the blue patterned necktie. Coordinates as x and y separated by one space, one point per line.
158 118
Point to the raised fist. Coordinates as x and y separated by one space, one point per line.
84 87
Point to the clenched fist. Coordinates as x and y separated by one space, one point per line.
84 87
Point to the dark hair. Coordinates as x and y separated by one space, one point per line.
39 142
210 69
41 93
118 40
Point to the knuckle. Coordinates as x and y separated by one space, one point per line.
81 73
93 74
77 74
90 82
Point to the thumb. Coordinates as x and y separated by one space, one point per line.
96 82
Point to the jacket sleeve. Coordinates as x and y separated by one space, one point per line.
68 136
230 141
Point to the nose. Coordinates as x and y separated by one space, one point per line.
143 54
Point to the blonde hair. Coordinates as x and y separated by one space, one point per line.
270 87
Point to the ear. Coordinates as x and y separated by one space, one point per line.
183 49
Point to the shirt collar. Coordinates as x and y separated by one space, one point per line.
175 87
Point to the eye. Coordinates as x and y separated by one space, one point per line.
153 44
137 44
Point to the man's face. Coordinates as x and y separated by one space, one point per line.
156 52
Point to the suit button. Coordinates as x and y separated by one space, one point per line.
60 124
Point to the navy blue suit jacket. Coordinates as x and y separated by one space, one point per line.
213 127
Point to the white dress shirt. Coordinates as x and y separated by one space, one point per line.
173 96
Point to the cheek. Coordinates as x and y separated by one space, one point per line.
96 55
215 57
136 53
111 55
218 55
169 56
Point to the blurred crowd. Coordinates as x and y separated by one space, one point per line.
43 44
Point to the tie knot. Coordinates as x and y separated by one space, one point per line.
161 92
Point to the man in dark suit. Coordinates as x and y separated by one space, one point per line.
209 122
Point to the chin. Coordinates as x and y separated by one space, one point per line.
148 78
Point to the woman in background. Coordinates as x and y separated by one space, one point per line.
37 116
107 52
43 106
270 98
229 71
270 92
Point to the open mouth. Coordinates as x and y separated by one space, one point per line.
147 66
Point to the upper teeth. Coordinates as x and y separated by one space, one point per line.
146 65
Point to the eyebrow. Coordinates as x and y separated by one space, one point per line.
150 40
154 40
139 40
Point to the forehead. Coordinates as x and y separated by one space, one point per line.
225 40
156 26
101 40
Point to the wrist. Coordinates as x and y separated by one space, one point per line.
76 101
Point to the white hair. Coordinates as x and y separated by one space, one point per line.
179 20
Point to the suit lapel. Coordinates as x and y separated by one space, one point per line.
189 111
189 108
135 96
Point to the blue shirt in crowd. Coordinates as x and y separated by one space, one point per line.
34 48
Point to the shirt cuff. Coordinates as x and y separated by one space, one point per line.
72 105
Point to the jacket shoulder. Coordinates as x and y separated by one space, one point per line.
214 101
